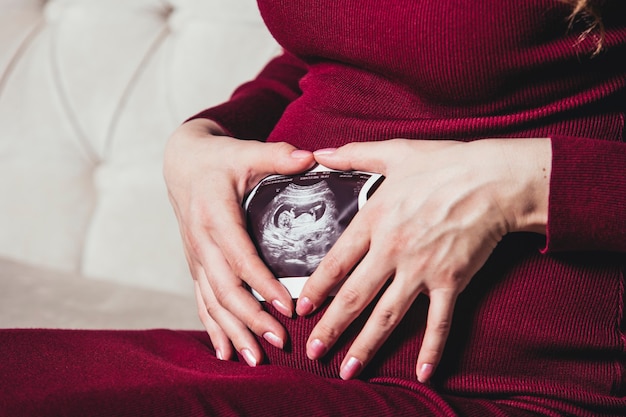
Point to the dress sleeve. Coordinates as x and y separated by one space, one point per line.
255 107
587 203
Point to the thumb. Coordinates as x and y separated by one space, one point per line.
276 158
366 156
287 159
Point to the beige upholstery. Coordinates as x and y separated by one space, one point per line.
89 92
41 297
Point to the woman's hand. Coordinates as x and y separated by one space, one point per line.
429 228
208 175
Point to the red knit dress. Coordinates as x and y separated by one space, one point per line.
538 331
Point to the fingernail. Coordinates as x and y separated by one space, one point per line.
325 151
304 306
273 340
282 308
300 154
425 372
249 357
351 368
317 349
219 355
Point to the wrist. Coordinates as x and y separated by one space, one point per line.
529 163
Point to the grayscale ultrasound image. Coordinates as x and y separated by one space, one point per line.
298 228
295 220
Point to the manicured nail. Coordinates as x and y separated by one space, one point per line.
282 308
300 154
304 306
219 355
317 349
351 368
325 151
425 372
273 340
249 357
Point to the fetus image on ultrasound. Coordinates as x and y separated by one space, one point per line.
299 227
295 220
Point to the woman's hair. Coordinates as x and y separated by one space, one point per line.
588 15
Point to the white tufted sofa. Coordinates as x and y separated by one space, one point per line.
89 92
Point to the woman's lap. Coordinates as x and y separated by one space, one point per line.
166 373
519 346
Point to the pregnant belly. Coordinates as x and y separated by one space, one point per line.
525 322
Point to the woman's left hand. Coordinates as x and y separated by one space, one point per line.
431 225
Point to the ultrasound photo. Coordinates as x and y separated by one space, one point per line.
295 220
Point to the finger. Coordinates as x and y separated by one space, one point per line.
438 323
236 331
356 293
343 257
359 156
387 314
380 156
243 260
221 343
227 292
271 158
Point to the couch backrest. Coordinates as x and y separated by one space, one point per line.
89 92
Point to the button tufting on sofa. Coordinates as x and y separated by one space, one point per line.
89 92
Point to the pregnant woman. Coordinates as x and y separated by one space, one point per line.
484 277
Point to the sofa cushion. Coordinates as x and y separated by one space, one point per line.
32 297
90 90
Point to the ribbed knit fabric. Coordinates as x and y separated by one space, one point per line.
541 326
162 373
446 70
538 331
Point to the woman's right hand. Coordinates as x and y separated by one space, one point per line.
207 175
